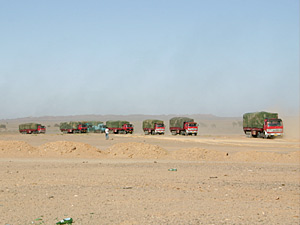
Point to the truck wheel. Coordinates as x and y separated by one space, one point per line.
248 134
260 135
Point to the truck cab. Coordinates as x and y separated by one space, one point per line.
273 128
128 128
159 128
82 128
41 129
99 128
191 128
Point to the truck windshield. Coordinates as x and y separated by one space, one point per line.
129 125
192 124
159 125
275 123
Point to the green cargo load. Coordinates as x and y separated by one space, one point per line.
179 121
116 123
65 125
150 123
31 126
74 125
256 119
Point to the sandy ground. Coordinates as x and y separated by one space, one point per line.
220 179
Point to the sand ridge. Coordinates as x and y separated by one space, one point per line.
69 149
137 150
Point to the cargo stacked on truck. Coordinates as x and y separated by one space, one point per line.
183 126
32 128
73 127
262 124
119 127
95 126
153 127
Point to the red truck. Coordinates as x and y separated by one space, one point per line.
153 127
32 128
183 126
73 127
119 127
262 124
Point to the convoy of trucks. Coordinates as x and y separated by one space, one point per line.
119 127
262 124
256 124
73 127
183 126
32 128
153 127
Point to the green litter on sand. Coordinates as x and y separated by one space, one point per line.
65 221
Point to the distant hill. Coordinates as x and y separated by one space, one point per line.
132 117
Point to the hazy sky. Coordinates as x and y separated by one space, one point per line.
221 57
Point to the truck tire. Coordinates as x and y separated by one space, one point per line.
260 135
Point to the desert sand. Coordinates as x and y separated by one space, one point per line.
219 179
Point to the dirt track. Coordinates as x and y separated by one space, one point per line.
219 179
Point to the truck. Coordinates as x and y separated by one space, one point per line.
153 127
183 126
119 126
95 126
32 128
73 127
262 124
